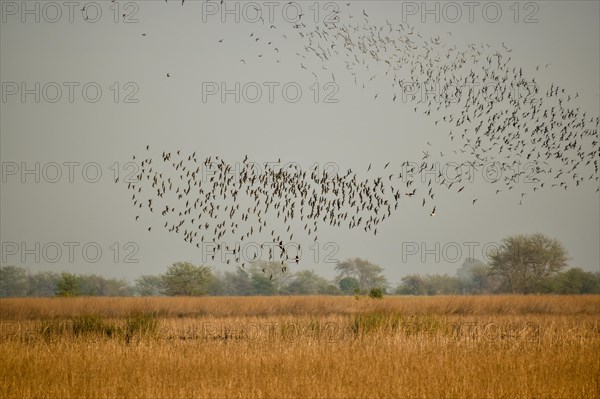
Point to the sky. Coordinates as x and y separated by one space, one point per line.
81 97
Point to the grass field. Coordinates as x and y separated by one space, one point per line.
292 347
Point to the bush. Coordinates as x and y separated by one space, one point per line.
376 293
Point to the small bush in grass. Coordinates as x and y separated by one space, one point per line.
376 293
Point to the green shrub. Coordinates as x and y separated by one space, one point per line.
376 292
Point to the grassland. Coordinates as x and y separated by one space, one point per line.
290 347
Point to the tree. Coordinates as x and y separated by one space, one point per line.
67 285
268 278
307 282
13 281
262 284
475 277
184 278
345 269
330 289
573 281
413 284
148 285
590 282
216 284
524 261
441 284
115 287
237 283
366 273
90 285
348 285
43 284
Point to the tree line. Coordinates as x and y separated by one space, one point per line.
521 264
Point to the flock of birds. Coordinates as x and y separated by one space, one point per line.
210 200
497 117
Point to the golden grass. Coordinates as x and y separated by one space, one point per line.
290 347
32 308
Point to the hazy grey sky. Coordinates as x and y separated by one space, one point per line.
140 105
